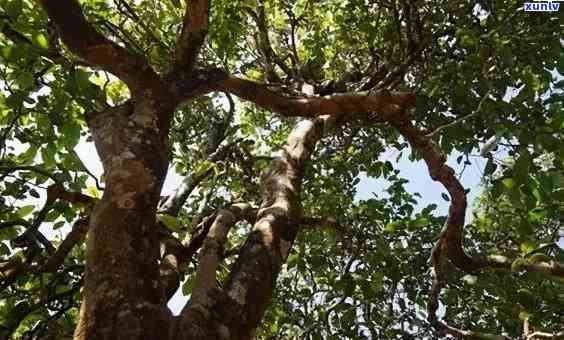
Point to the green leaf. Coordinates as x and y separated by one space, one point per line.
40 40
48 156
83 79
203 167
25 210
509 183
70 133
525 315
25 80
292 261
521 168
171 222
188 285
14 8
537 215
392 226
93 192
58 225
528 247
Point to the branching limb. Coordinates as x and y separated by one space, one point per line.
450 241
212 250
31 233
278 219
452 233
544 335
75 236
442 327
374 106
433 303
263 40
213 153
460 119
191 39
83 39
16 268
177 256
251 281
551 267
174 202
6 168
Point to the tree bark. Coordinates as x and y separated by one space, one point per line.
121 297
235 311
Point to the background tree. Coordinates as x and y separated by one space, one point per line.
310 94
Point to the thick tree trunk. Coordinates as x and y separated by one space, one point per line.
122 298
235 311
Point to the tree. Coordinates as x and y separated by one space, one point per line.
323 89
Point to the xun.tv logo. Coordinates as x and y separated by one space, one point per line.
542 6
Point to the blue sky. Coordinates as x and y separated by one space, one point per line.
420 181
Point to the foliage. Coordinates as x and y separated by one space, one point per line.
482 70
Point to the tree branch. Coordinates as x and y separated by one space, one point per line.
212 251
544 335
460 119
264 45
175 202
31 232
433 302
213 153
452 233
239 306
253 277
177 255
14 269
374 106
193 35
32 168
76 235
83 39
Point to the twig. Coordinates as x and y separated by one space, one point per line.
460 119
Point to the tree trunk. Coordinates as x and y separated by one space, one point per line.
122 298
235 311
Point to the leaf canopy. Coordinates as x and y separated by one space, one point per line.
487 75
